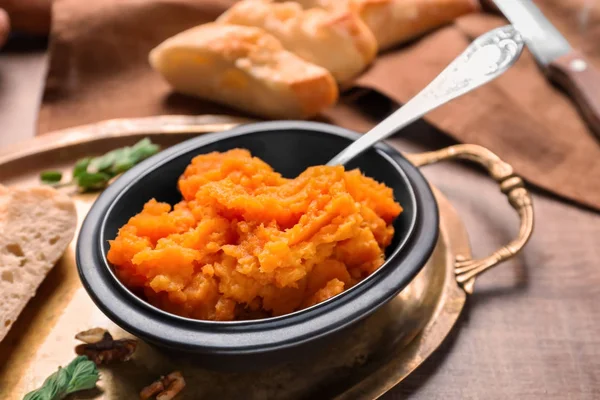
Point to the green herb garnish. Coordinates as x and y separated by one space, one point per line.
51 176
81 166
94 180
80 374
95 173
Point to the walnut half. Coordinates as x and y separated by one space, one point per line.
101 348
165 388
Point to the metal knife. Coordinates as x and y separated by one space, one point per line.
566 67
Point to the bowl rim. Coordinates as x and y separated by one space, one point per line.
143 303
121 302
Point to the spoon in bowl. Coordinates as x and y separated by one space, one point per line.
486 58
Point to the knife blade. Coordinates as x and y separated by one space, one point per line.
564 66
542 38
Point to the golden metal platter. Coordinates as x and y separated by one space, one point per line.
364 364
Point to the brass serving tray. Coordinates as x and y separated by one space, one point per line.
369 361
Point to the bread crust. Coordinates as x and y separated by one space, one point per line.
397 21
338 41
245 68
394 22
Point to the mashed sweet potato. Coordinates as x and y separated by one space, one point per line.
246 243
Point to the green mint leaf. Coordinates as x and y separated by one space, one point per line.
51 389
129 156
81 166
80 374
103 163
61 381
123 162
143 149
51 176
90 181
145 142
123 165
73 365
84 376
95 173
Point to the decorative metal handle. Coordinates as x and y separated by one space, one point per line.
511 185
488 57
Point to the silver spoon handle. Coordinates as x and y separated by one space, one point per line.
485 59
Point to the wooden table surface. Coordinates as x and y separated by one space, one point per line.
531 330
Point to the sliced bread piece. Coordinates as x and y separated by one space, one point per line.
338 41
36 226
245 68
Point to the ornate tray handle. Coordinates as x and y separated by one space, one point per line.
511 185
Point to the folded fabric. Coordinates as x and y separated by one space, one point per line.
99 70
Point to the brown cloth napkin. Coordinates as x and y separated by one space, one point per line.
99 70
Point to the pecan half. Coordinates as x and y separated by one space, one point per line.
101 348
165 388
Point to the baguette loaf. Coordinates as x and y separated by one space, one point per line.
245 68
338 41
396 21
36 226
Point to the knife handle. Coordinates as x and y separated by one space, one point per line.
581 80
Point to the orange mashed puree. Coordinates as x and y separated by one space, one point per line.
247 243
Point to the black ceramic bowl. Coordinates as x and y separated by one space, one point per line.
289 147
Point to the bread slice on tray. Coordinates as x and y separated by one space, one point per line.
396 21
36 226
338 41
245 68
